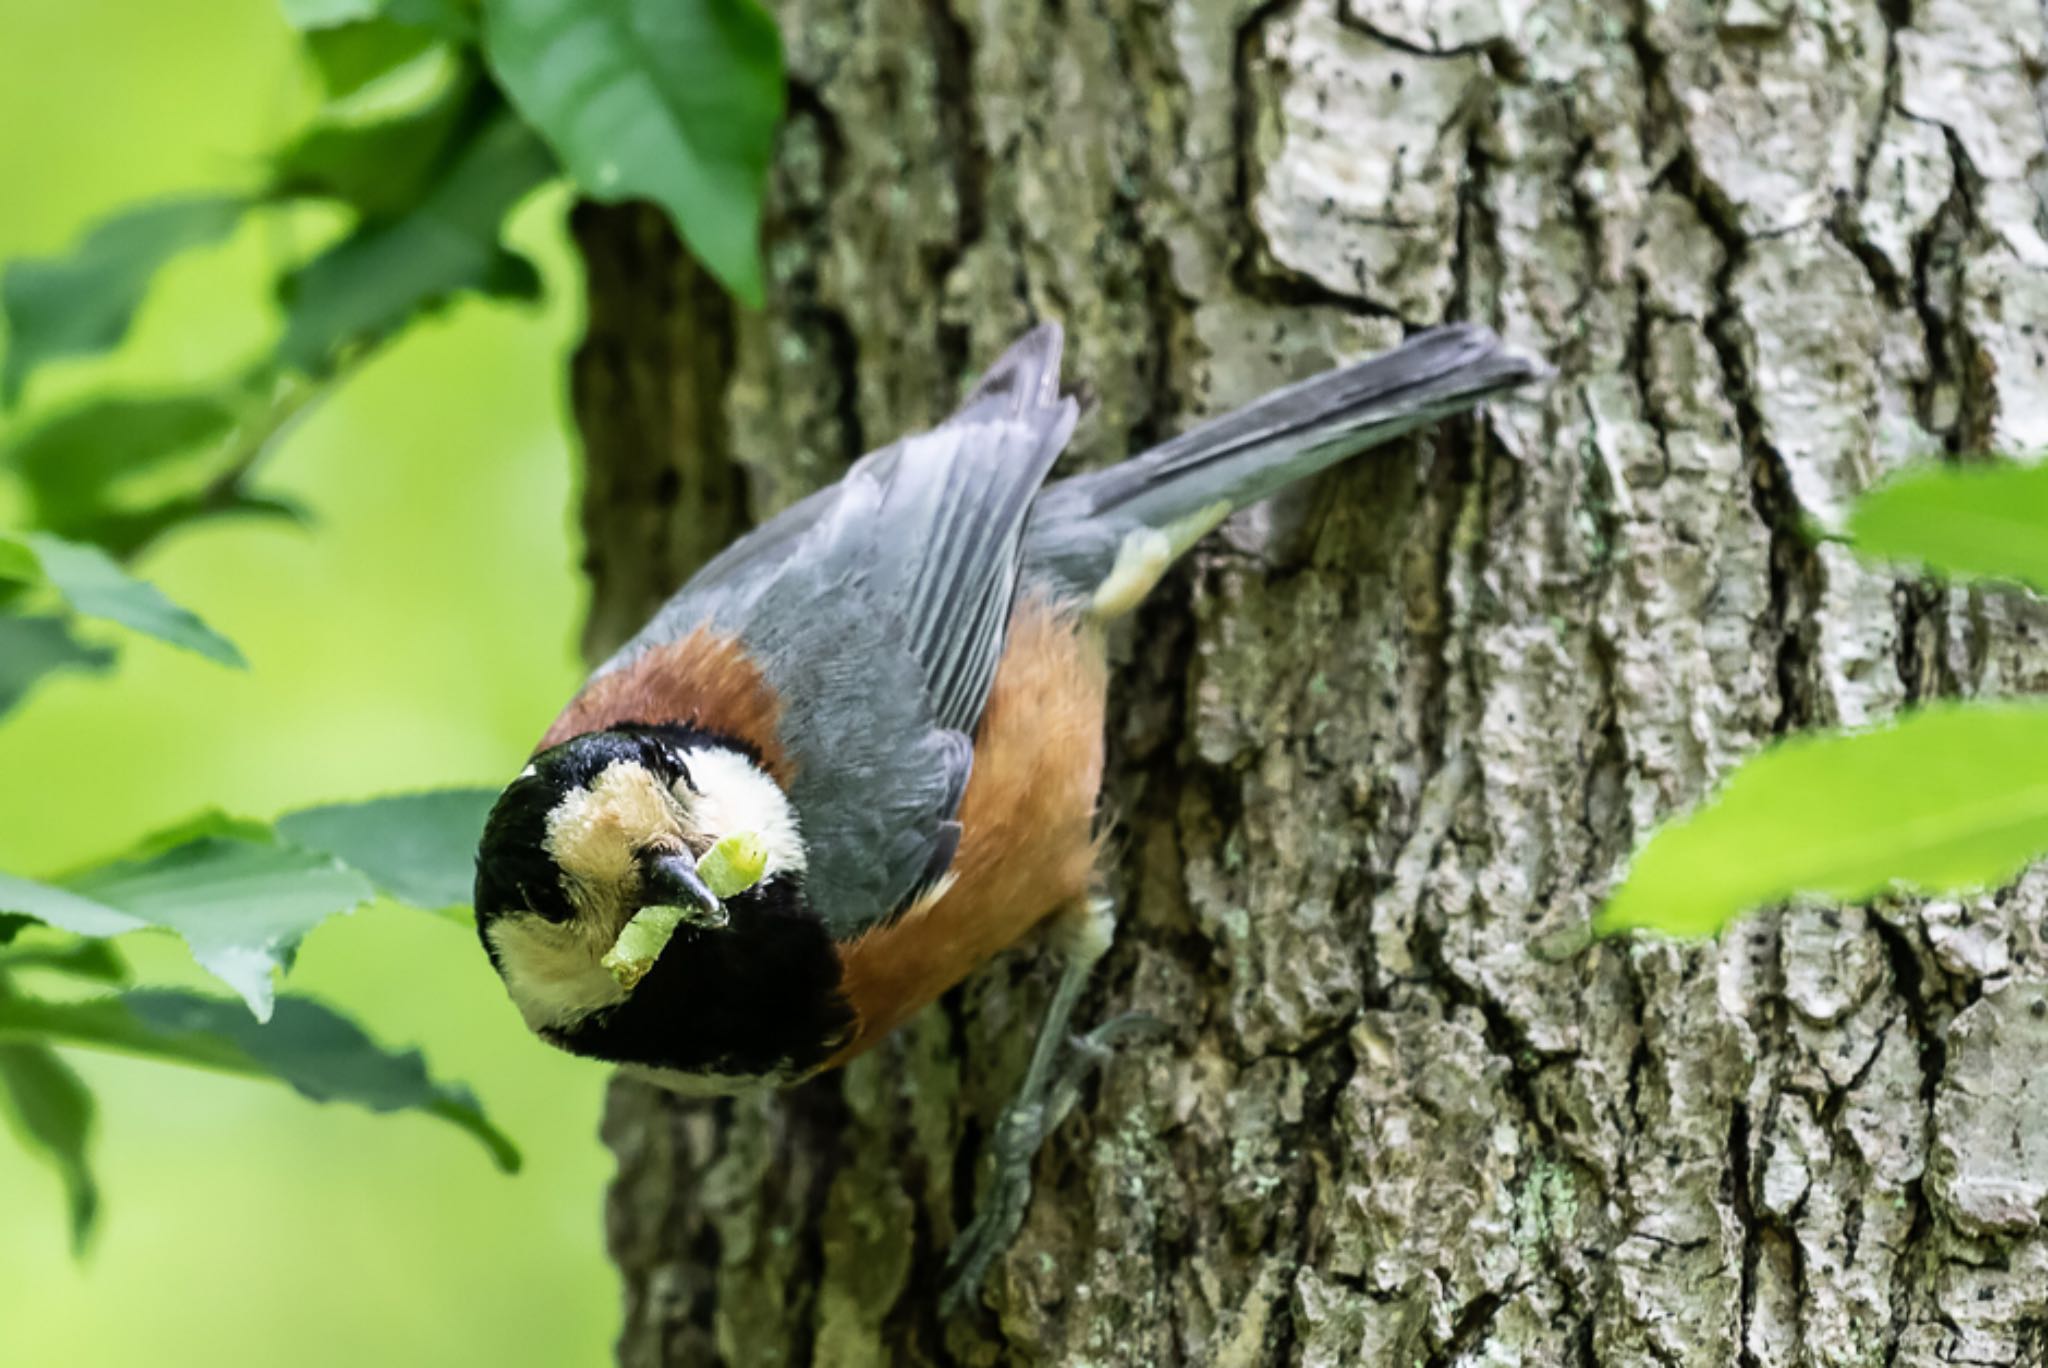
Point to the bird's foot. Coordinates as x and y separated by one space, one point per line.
1030 1117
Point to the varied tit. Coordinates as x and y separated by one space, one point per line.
898 685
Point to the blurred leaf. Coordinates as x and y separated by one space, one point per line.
1947 798
94 960
52 1111
197 827
82 303
70 460
241 903
31 647
17 561
382 167
319 1052
351 56
418 847
123 532
1987 521
448 17
97 587
676 101
12 924
76 464
316 14
366 40
377 278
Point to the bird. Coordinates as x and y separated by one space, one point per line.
897 686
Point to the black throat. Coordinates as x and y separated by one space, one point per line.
757 998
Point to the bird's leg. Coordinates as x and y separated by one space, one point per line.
1047 1094
1144 555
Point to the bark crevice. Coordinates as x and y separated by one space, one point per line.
1377 741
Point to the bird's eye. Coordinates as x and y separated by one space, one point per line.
683 775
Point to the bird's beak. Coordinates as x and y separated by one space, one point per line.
673 881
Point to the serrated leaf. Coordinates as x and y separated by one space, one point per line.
32 647
317 1051
377 278
94 585
1970 522
241 901
676 101
1947 798
241 904
83 302
419 847
52 1111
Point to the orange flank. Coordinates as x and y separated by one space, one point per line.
1027 847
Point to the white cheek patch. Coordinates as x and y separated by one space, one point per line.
550 970
733 794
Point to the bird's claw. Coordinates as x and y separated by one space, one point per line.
1019 1132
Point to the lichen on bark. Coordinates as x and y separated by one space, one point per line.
1379 739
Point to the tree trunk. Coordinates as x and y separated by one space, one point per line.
1372 744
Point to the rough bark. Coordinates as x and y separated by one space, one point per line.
1374 743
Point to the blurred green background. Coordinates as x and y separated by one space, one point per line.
421 634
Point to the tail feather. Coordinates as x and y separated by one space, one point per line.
1252 452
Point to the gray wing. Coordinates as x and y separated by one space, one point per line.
878 611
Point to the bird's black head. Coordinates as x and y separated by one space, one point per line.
600 826
516 869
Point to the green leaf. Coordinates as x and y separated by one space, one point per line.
63 909
31 647
17 561
384 167
198 827
241 901
52 1111
96 961
354 55
1947 798
676 101
1987 521
377 278
319 14
83 302
419 847
446 17
99 588
70 461
311 1047
370 40
241 904
123 532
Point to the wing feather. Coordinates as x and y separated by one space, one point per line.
878 610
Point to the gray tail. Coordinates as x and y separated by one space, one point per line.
1248 454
